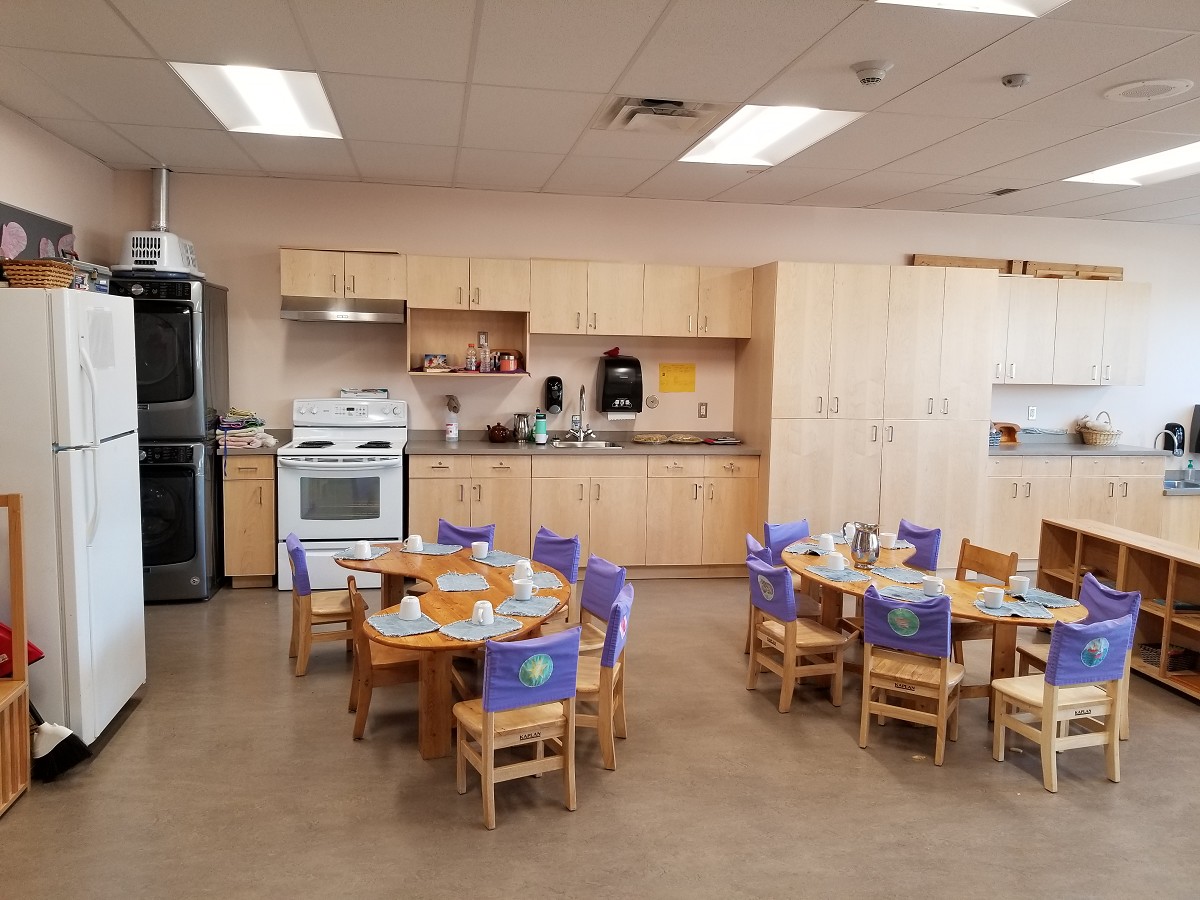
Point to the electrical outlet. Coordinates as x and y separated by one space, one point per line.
1032 413
702 411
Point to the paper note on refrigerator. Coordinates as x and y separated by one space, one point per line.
678 378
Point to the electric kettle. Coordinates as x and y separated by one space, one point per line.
863 541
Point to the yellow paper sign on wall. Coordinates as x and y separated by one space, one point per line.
677 378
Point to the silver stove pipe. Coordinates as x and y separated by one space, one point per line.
160 199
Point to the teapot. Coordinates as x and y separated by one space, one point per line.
863 541
498 434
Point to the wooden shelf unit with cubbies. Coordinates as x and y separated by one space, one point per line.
1167 574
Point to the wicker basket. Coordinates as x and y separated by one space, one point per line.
1098 436
1178 658
39 273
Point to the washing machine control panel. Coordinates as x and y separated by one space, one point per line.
172 453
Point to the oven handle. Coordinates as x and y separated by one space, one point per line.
285 463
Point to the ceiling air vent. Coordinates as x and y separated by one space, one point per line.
1141 91
653 116
1003 191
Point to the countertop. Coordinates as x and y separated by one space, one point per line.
432 443
1062 449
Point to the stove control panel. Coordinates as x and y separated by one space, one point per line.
350 413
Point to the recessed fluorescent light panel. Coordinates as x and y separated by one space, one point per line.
1029 8
767 135
262 101
1165 166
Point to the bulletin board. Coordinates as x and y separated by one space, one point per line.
57 236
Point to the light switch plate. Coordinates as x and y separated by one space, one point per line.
1032 413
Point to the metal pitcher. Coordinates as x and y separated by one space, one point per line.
521 428
863 541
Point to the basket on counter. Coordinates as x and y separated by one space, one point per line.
1179 659
1101 437
39 273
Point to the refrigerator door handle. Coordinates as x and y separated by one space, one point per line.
89 372
93 524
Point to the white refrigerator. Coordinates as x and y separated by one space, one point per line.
69 444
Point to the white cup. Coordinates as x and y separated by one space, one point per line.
825 543
992 597
887 540
933 586
414 543
482 613
523 569
1019 585
362 549
523 588
479 549
835 561
410 608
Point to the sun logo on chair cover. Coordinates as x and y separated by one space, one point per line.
624 626
1094 652
904 622
536 670
766 588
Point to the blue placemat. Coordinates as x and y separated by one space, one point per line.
898 573
534 606
546 580
391 625
1047 599
837 574
348 553
458 581
499 559
466 630
1016 608
907 594
805 547
437 549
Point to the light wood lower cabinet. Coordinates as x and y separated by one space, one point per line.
699 509
249 520
601 499
1119 490
471 490
1181 520
730 508
1020 493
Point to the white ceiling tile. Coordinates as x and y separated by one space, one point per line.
1056 55
1036 197
71 26
1084 104
1121 199
1158 211
780 185
395 38
869 189
504 169
228 32
597 175
920 42
503 118
929 201
573 45
877 139
407 163
633 145
985 184
986 146
691 181
188 147
1086 154
1181 119
1182 14
100 141
1088 207
130 91
397 110
689 55
29 95
1184 220
311 157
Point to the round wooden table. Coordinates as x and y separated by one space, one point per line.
435 695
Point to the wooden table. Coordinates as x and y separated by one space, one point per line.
435 699
828 594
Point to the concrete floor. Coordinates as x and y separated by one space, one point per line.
229 777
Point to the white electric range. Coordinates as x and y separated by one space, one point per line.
340 480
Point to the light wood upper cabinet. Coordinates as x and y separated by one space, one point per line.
376 276
558 296
999 332
615 298
965 389
500 284
1126 312
439 282
801 298
725 295
332 274
857 355
1033 310
1079 332
914 342
670 300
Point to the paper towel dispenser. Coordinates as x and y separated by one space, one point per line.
620 387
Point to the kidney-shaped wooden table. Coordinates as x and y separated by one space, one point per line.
435 696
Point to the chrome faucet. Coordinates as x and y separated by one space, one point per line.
1174 441
580 432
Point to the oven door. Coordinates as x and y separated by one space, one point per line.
337 499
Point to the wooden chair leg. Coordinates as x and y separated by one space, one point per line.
488 777
939 748
754 669
460 761
954 721
837 676
619 726
303 649
789 680
293 643
958 653
568 749
353 705
1123 705
1113 724
998 729
365 689
1049 756
864 720
750 629
604 728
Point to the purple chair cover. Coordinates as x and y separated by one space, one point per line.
299 565
771 589
557 552
754 548
466 535
618 627
918 626
928 541
780 536
1087 652
1104 602
526 673
602 581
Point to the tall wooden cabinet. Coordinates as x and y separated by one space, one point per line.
249 518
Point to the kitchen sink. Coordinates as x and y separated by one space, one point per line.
1190 485
590 445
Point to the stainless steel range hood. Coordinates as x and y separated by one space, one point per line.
341 309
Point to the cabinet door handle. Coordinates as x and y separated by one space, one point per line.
1112 489
353 285
1014 496
695 491
706 324
439 466
1124 488
674 465
945 406
931 406
730 466
712 490
594 322
689 324
820 404
581 492
874 433
1012 371
1108 373
260 495
835 405
502 466
476 296
1028 488
1095 372
461 497
999 373
578 320
597 490
333 282
460 295
478 489
891 433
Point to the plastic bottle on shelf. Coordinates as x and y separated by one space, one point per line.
540 434
485 356
472 361
451 418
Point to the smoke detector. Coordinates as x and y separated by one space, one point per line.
1015 80
1143 91
872 71
658 116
